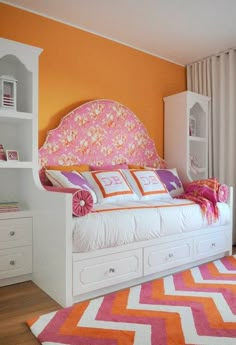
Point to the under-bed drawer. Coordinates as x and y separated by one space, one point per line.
214 243
103 271
167 255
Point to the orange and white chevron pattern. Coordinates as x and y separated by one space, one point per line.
194 307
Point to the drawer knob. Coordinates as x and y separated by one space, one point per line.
12 262
171 255
111 270
12 233
213 244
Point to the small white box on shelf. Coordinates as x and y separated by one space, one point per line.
192 126
8 92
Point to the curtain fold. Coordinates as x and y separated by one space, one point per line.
215 77
199 80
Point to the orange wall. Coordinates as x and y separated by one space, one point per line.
77 66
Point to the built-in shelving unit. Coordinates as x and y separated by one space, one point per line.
18 132
186 134
18 124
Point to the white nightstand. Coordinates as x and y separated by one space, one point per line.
15 247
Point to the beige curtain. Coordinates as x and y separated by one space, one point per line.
215 77
199 80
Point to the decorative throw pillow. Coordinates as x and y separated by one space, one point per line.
146 184
110 186
70 180
43 178
78 168
223 193
171 180
135 166
110 167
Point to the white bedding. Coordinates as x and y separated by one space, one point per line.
111 225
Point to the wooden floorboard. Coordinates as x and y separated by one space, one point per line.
21 302
18 303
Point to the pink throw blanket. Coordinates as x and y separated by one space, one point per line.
206 193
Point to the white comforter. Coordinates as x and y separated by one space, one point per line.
111 225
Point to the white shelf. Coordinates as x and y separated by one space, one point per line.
200 170
17 214
8 115
199 139
16 165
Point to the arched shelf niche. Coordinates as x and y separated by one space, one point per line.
12 66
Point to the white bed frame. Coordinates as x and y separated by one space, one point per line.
71 277
65 276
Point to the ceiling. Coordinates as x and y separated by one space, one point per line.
181 31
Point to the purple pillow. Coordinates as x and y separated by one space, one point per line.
171 180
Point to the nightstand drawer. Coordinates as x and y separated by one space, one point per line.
15 262
15 232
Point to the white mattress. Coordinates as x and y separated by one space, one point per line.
110 225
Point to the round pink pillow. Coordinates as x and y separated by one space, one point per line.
223 193
82 202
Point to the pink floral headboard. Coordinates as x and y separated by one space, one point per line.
99 133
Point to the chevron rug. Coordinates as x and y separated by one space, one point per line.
194 307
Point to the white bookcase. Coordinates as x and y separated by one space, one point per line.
18 131
19 127
186 134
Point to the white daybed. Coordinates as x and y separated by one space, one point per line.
75 258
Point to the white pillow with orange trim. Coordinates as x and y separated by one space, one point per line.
146 184
110 186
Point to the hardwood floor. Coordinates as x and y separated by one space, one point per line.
19 303
234 249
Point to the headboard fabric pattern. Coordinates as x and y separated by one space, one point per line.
99 133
